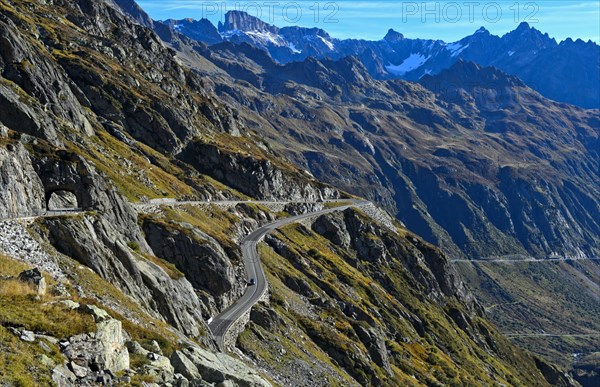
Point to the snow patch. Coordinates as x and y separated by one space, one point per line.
414 61
327 43
293 48
229 34
267 37
456 48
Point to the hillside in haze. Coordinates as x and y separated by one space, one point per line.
567 71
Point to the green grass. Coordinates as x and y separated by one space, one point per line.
172 271
20 363
219 224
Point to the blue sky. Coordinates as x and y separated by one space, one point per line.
446 20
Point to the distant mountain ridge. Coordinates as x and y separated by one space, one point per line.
567 72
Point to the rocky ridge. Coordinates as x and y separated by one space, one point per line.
564 71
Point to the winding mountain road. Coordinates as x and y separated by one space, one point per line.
220 324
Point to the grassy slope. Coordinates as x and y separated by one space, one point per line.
443 355
20 362
545 297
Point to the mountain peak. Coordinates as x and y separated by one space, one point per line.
393 36
243 21
526 36
482 30
524 26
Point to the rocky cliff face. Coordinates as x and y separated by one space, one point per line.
256 178
21 191
204 262
96 244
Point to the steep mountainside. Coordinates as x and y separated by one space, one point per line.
568 71
471 159
96 109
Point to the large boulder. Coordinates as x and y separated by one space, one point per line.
35 279
94 354
63 376
160 368
185 366
215 368
98 314
109 334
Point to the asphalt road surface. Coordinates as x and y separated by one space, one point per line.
501 260
221 323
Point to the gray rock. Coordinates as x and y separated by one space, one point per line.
21 190
98 313
218 367
375 343
110 335
181 381
49 339
62 200
155 347
103 379
333 228
100 245
160 369
64 344
27 336
200 256
135 348
266 318
35 279
256 178
104 350
79 371
63 377
184 366
70 304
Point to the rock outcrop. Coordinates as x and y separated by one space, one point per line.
94 357
99 245
204 262
200 365
21 190
35 279
257 178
